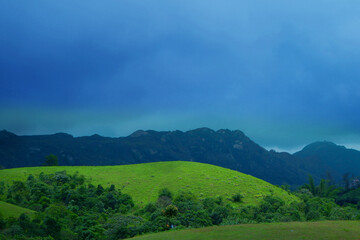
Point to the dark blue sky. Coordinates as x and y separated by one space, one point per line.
284 72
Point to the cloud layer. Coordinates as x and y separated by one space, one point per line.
283 72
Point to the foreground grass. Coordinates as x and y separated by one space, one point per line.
143 181
326 230
10 210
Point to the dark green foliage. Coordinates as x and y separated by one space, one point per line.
165 193
219 214
323 206
99 190
2 222
313 215
195 218
61 178
171 211
70 209
150 208
51 226
24 222
352 197
51 160
2 188
312 185
163 201
342 213
323 189
67 208
346 181
121 226
237 198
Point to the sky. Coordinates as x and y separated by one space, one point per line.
286 73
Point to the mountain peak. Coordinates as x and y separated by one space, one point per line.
203 129
139 133
62 135
320 145
5 134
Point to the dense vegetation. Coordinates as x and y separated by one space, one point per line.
69 206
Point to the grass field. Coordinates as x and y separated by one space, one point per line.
10 210
326 230
143 181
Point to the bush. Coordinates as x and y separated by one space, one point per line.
196 219
2 222
171 211
237 198
165 193
313 215
121 226
342 213
219 214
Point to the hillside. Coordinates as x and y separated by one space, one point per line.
325 230
225 148
143 181
10 210
323 157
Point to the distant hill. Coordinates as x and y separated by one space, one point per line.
327 157
143 181
225 148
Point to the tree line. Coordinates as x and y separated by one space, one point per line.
71 207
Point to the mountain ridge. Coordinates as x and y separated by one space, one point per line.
226 148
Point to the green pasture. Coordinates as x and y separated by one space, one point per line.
143 181
325 230
10 210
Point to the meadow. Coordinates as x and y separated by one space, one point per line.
143 181
324 230
10 210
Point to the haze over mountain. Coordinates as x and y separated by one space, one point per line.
230 149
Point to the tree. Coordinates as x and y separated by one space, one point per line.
165 192
51 160
51 226
237 198
312 185
171 211
346 181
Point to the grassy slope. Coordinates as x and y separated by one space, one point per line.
143 181
10 210
326 230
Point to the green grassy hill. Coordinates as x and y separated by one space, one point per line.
143 181
326 230
10 210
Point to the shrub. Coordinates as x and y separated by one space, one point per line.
237 198
165 192
313 215
171 211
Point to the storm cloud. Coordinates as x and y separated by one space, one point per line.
284 72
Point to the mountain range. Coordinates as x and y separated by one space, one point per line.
225 148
